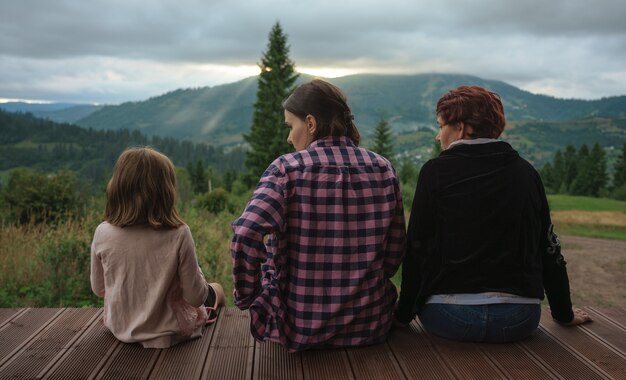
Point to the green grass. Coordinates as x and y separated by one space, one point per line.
589 205
561 202
594 232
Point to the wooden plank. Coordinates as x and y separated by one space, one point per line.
48 345
129 361
374 362
560 360
616 316
330 364
87 355
515 362
17 333
416 354
74 344
604 329
604 357
231 355
273 362
185 360
7 315
466 360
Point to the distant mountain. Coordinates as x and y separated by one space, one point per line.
217 115
69 115
221 114
35 107
59 112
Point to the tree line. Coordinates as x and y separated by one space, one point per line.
47 146
585 172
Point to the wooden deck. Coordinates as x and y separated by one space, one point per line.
73 344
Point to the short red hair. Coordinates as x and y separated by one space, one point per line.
475 106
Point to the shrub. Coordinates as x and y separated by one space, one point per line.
31 196
620 193
66 269
216 201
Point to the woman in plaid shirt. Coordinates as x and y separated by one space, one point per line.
320 238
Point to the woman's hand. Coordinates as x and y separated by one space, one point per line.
580 317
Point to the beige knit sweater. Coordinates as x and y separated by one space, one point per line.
151 283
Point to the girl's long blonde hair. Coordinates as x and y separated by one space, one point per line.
142 190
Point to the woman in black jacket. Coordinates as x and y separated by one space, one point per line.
481 250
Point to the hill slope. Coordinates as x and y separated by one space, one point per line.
58 112
27 141
221 114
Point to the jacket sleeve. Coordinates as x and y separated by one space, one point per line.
555 279
263 216
420 229
193 285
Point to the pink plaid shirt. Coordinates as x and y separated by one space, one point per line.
334 223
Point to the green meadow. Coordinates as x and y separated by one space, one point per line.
47 265
587 216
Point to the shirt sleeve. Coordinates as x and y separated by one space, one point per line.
193 285
263 215
394 249
420 229
555 279
97 272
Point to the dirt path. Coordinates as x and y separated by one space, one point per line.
597 271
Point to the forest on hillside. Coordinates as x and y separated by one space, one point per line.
43 145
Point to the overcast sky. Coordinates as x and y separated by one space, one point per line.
111 51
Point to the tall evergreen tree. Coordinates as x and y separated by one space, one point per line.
570 164
558 171
408 172
583 183
382 139
548 178
597 160
268 135
198 177
619 172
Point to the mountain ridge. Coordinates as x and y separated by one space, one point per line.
221 114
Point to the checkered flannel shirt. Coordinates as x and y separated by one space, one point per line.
316 246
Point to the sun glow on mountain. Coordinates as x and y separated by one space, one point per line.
327 72
5 100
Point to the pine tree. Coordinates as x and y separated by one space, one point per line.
408 172
570 165
619 172
597 160
197 177
268 135
558 171
548 178
583 183
382 139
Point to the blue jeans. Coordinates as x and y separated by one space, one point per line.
493 323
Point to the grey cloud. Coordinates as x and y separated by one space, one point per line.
523 42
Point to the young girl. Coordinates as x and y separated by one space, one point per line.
143 258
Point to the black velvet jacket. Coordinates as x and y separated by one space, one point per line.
480 222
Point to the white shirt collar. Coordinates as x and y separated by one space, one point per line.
472 141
